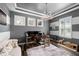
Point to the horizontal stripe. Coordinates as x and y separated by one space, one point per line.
54 32
54 23
73 14
75 20
75 34
73 40
54 29
75 27
50 28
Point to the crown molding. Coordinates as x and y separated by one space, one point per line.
69 9
33 13
26 13
27 10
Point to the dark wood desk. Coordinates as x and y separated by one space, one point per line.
23 48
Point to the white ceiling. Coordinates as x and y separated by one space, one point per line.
41 7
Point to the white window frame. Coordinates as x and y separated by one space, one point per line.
65 34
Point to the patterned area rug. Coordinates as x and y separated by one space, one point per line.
48 51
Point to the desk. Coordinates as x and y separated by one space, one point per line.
72 46
60 41
23 47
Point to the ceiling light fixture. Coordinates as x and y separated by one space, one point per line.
47 12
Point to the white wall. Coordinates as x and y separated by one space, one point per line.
5 35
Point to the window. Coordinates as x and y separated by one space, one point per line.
19 20
65 27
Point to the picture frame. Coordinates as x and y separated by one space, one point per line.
31 21
40 23
3 18
19 20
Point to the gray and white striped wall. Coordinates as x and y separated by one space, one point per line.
75 26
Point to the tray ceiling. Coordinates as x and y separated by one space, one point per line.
41 7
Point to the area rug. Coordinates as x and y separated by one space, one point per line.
48 51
